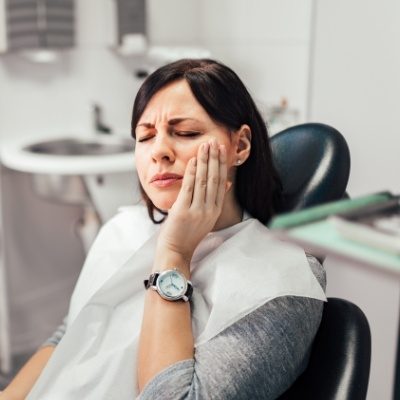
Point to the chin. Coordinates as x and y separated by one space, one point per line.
163 201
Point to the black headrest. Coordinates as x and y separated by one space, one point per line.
313 161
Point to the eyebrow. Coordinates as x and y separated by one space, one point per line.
173 121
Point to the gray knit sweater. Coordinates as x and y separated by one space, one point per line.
258 357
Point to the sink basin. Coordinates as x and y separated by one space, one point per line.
80 147
70 155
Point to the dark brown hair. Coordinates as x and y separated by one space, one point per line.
226 100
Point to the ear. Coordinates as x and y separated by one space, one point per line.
242 144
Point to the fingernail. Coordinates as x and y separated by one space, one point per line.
205 147
213 144
194 161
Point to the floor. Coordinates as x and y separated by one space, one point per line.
18 361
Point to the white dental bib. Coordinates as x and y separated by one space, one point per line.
233 272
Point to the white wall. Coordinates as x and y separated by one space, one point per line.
266 42
356 86
175 22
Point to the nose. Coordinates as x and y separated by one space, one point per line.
162 148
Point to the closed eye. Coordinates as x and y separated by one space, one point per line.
187 133
144 139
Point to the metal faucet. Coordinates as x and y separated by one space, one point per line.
99 125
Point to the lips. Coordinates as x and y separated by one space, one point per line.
165 180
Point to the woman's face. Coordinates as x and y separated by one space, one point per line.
168 134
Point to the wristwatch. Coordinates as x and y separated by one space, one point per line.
170 284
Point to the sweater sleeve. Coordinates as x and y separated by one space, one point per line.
258 357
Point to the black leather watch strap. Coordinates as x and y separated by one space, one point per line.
152 280
189 291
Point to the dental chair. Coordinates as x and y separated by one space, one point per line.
313 162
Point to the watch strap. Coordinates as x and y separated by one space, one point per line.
189 290
148 283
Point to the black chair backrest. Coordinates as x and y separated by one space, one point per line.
340 357
313 162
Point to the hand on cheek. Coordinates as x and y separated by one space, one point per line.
199 202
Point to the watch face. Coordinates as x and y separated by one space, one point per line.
171 285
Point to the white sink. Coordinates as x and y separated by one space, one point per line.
70 155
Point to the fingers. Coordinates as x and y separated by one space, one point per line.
185 195
204 181
216 175
211 175
223 173
200 186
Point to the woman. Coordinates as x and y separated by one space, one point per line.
231 312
